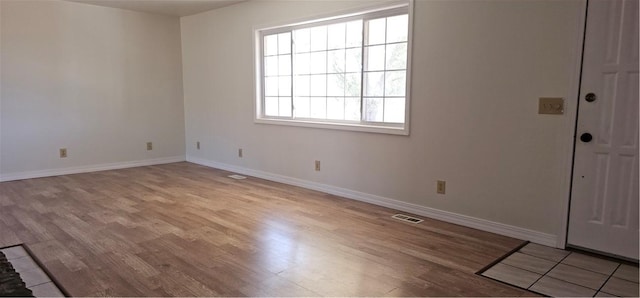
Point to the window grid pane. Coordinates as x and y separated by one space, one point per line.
397 28
394 109
328 78
284 43
277 75
384 70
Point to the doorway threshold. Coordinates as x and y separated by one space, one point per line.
565 273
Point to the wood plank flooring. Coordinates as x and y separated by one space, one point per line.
186 230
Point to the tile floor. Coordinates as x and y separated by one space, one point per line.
556 272
36 280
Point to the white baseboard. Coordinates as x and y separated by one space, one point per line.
463 220
89 168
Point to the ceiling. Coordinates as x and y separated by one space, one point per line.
178 8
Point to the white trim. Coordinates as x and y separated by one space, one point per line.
464 220
89 168
409 73
337 126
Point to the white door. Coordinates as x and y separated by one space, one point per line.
604 198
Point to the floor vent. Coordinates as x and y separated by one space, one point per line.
237 177
407 218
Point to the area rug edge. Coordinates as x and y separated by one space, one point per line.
53 279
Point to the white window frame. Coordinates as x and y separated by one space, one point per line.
363 126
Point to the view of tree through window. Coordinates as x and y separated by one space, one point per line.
351 71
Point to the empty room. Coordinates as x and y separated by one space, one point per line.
319 148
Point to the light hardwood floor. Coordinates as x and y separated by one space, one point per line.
186 230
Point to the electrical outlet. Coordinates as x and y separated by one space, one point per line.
63 152
149 146
240 152
317 165
198 145
441 186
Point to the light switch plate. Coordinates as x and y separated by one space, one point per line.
551 105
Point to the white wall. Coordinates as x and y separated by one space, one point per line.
479 68
98 81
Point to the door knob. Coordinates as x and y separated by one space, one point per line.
586 137
590 97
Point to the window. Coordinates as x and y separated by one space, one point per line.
347 72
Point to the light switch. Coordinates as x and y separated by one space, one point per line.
551 105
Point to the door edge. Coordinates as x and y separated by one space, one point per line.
574 94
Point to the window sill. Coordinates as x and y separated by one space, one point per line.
337 126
